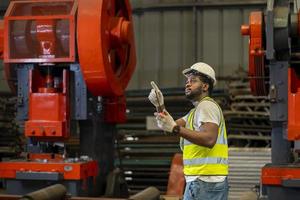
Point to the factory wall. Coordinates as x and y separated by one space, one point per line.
171 35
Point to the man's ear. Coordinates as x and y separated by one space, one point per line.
205 87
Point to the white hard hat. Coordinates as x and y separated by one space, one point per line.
203 68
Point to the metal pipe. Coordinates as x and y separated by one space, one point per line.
150 193
53 192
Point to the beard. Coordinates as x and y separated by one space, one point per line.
194 95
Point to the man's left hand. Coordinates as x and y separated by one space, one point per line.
165 121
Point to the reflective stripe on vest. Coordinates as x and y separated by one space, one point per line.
205 160
200 160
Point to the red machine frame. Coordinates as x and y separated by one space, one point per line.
49 117
43 35
293 105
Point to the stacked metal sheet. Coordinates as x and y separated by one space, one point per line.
146 161
247 117
11 142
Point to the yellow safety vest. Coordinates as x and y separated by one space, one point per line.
200 160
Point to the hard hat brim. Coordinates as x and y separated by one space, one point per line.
187 71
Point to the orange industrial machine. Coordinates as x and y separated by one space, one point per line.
69 61
274 55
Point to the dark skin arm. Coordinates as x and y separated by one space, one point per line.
207 136
180 122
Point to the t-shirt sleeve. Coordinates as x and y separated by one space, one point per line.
208 111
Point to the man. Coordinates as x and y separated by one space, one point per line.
203 135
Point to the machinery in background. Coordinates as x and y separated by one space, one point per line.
72 60
274 55
11 141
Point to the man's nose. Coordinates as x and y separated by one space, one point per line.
187 84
